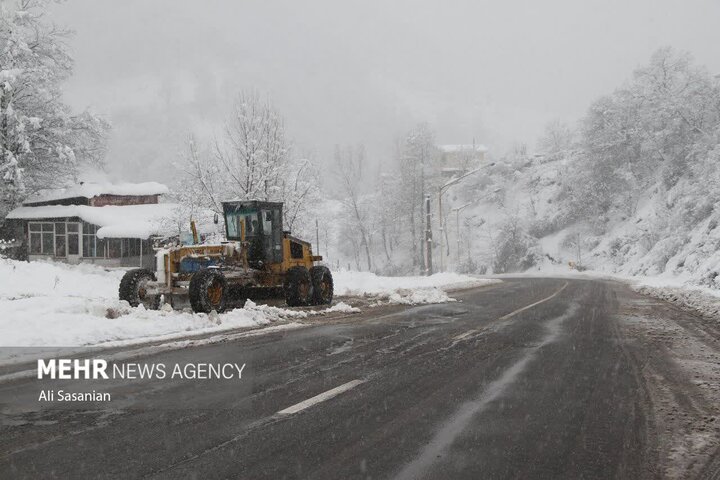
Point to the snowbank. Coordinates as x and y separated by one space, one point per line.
404 290
703 300
58 305
53 304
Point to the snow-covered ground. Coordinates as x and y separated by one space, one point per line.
404 290
53 304
687 296
677 289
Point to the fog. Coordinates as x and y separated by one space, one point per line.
361 71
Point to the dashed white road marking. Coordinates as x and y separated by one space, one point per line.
298 407
527 307
464 335
475 331
458 422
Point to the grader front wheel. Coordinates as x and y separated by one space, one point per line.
297 287
322 283
208 291
134 286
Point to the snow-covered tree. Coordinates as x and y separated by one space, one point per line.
299 189
649 134
358 214
251 160
42 142
417 154
253 153
558 137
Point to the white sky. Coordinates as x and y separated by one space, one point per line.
363 71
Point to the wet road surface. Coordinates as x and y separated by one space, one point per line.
531 378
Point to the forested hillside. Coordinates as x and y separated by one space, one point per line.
632 189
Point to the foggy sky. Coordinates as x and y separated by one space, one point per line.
362 71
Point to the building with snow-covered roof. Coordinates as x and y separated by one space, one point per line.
107 224
458 159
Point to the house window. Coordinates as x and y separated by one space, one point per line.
60 244
92 246
35 236
114 248
42 238
131 247
73 242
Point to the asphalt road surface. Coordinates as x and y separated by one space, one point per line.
531 378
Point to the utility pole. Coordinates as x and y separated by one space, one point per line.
428 238
442 238
457 226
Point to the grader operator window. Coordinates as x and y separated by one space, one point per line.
263 229
267 219
234 220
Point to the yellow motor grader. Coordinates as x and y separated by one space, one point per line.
258 260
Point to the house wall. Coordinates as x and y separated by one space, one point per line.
462 159
62 201
103 200
146 261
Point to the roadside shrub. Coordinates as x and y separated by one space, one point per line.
515 250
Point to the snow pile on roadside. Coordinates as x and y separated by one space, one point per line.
350 283
420 296
74 321
47 304
278 313
341 307
53 280
55 304
404 290
700 300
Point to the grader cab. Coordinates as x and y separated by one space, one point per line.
258 260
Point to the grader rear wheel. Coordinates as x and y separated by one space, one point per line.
208 291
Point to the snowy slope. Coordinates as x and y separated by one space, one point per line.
671 235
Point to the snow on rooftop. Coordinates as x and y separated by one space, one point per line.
90 190
462 148
126 221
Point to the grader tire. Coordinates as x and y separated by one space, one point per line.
133 287
297 287
208 291
322 283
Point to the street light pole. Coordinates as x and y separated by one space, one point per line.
457 226
442 190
